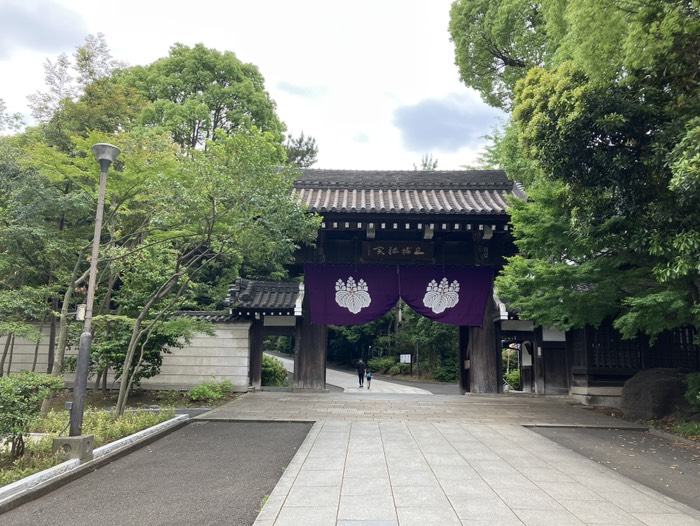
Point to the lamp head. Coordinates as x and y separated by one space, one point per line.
106 154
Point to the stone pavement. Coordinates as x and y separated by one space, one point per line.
381 459
348 382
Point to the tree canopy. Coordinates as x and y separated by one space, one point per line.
200 193
496 42
195 92
603 132
301 151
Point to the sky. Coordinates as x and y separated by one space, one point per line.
373 81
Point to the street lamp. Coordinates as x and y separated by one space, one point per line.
105 154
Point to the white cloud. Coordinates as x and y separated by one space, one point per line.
446 125
43 25
307 92
358 76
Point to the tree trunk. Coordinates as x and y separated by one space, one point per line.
57 367
17 448
9 356
193 258
52 337
63 320
36 347
4 354
98 377
136 334
125 383
137 368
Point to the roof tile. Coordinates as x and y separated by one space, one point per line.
406 192
272 295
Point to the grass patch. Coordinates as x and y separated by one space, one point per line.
208 392
687 429
38 455
140 398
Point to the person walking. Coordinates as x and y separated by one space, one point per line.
369 378
361 368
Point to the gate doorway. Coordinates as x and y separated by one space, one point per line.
457 296
401 344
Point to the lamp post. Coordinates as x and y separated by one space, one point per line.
105 154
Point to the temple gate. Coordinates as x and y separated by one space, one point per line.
401 233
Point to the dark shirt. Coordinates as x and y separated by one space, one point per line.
361 366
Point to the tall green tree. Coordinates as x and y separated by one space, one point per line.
44 224
301 151
181 220
198 91
427 163
9 121
66 77
434 345
497 42
604 135
230 201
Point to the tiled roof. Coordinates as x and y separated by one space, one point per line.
214 317
272 296
468 192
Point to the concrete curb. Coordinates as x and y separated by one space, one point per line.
627 427
34 486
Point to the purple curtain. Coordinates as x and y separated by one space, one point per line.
452 295
356 294
350 294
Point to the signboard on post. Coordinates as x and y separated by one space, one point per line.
405 358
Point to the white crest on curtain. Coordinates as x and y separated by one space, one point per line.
353 296
442 296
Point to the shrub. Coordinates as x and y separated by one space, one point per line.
210 391
513 379
687 429
381 365
693 392
395 370
39 456
510 359
273 372
20 404
103 424
447 373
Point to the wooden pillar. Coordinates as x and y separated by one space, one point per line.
538 362
255 339
310 353
464 363
527 359
484 354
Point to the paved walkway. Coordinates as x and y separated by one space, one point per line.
349 382
384 459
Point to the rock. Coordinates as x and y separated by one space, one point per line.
655 393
